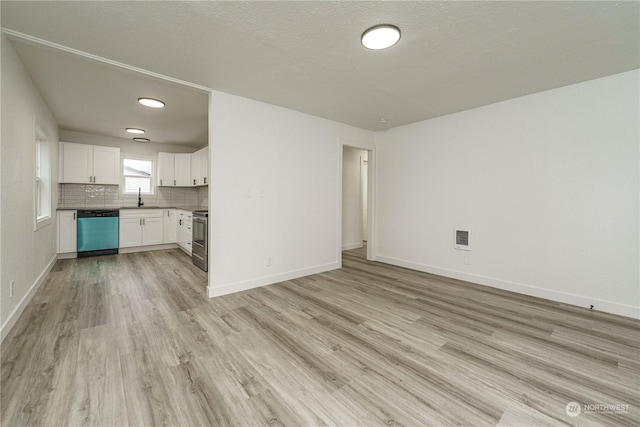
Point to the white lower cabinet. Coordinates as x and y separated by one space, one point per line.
185 233
130 232
152 230
141 227
67 232
170 226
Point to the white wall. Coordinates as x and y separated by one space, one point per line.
548 184
352 233
26 255
274 192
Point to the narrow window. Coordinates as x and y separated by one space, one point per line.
42 182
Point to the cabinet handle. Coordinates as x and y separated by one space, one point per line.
180 222
160 182
194 182
74 216
144 221
140 221
205 179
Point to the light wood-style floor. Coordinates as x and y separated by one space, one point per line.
132 340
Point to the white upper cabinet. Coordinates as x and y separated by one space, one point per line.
166 169
77 162
204 164
174 170
106 165
196 175
200 167
183 170
89 164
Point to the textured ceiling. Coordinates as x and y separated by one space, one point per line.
307 55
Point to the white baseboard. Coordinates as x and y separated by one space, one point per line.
231 288
68 255
15 314
147 248
566 298
350 246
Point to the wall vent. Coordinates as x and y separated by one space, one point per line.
462 240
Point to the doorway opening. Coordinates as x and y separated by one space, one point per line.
356 215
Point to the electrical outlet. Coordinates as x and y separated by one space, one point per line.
11 285
269 261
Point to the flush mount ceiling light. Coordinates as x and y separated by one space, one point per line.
380 36
150 102
134 130
142 139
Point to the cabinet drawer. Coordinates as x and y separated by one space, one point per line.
140 213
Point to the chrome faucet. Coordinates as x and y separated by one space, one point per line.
140 202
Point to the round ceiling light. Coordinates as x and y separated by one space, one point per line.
380 36
134 130
142 139
150 102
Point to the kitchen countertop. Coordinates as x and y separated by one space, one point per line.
184 208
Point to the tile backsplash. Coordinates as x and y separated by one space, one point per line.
90 196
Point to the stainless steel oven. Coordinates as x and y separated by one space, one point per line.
200 243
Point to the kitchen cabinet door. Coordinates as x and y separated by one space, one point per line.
166 169
196 174
130 232
152 233
204 165
67 232
77 163
184 230
170 226
89 164
187 236
106 165
183 170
